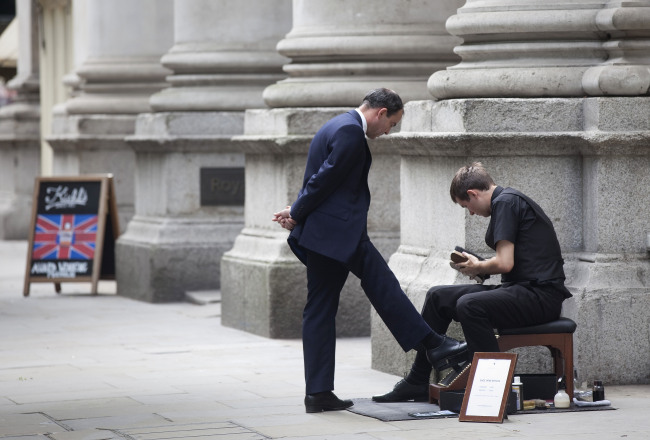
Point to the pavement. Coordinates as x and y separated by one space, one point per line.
79 366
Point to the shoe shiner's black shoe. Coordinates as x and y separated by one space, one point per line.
448 354
404 392
325 401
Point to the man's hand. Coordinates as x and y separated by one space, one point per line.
502 262
283 218
470 267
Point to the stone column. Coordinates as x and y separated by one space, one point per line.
55 60
530 100
525 49
115 78
339 51
626 71
20 131
522 48
189 173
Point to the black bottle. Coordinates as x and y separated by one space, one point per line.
599 391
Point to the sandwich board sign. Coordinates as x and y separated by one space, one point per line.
73 230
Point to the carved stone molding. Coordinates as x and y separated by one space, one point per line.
523 48
216 66
54 4
340 49
627 69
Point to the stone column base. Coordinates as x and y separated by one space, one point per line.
158 259
611 304
177 237
19 166
264 290
263 286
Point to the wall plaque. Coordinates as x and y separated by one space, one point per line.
222 186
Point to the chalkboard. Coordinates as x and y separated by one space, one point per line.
73 230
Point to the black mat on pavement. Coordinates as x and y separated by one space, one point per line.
391 412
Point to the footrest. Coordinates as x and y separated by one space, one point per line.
458 383
434 392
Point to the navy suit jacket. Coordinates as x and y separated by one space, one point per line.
331 210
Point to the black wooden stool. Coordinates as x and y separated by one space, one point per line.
557 336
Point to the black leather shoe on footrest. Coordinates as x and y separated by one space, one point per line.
448 354
325 401
404 392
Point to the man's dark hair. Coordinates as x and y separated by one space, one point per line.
472 176
379 98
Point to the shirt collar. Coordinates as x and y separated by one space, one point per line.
363 121
496 193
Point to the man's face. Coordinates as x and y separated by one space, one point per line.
380 123
479 203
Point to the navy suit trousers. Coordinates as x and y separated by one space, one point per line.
325 279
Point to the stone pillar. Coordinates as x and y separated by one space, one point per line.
20 132
626 71
522 48
55 60
526 49
542 123
115 78
339 51
189 173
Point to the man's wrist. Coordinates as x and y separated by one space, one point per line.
483 267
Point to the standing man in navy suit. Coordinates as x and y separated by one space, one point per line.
328 224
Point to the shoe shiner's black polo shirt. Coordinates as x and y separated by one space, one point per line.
518 219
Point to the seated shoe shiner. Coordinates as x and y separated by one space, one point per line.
530 263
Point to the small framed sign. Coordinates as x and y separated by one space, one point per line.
488 387
73 230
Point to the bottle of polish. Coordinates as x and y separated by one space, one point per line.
518 389
561 399
599 391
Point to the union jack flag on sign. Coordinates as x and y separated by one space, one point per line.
65 237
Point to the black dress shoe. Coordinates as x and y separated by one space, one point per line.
448 354
404 392
325 401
